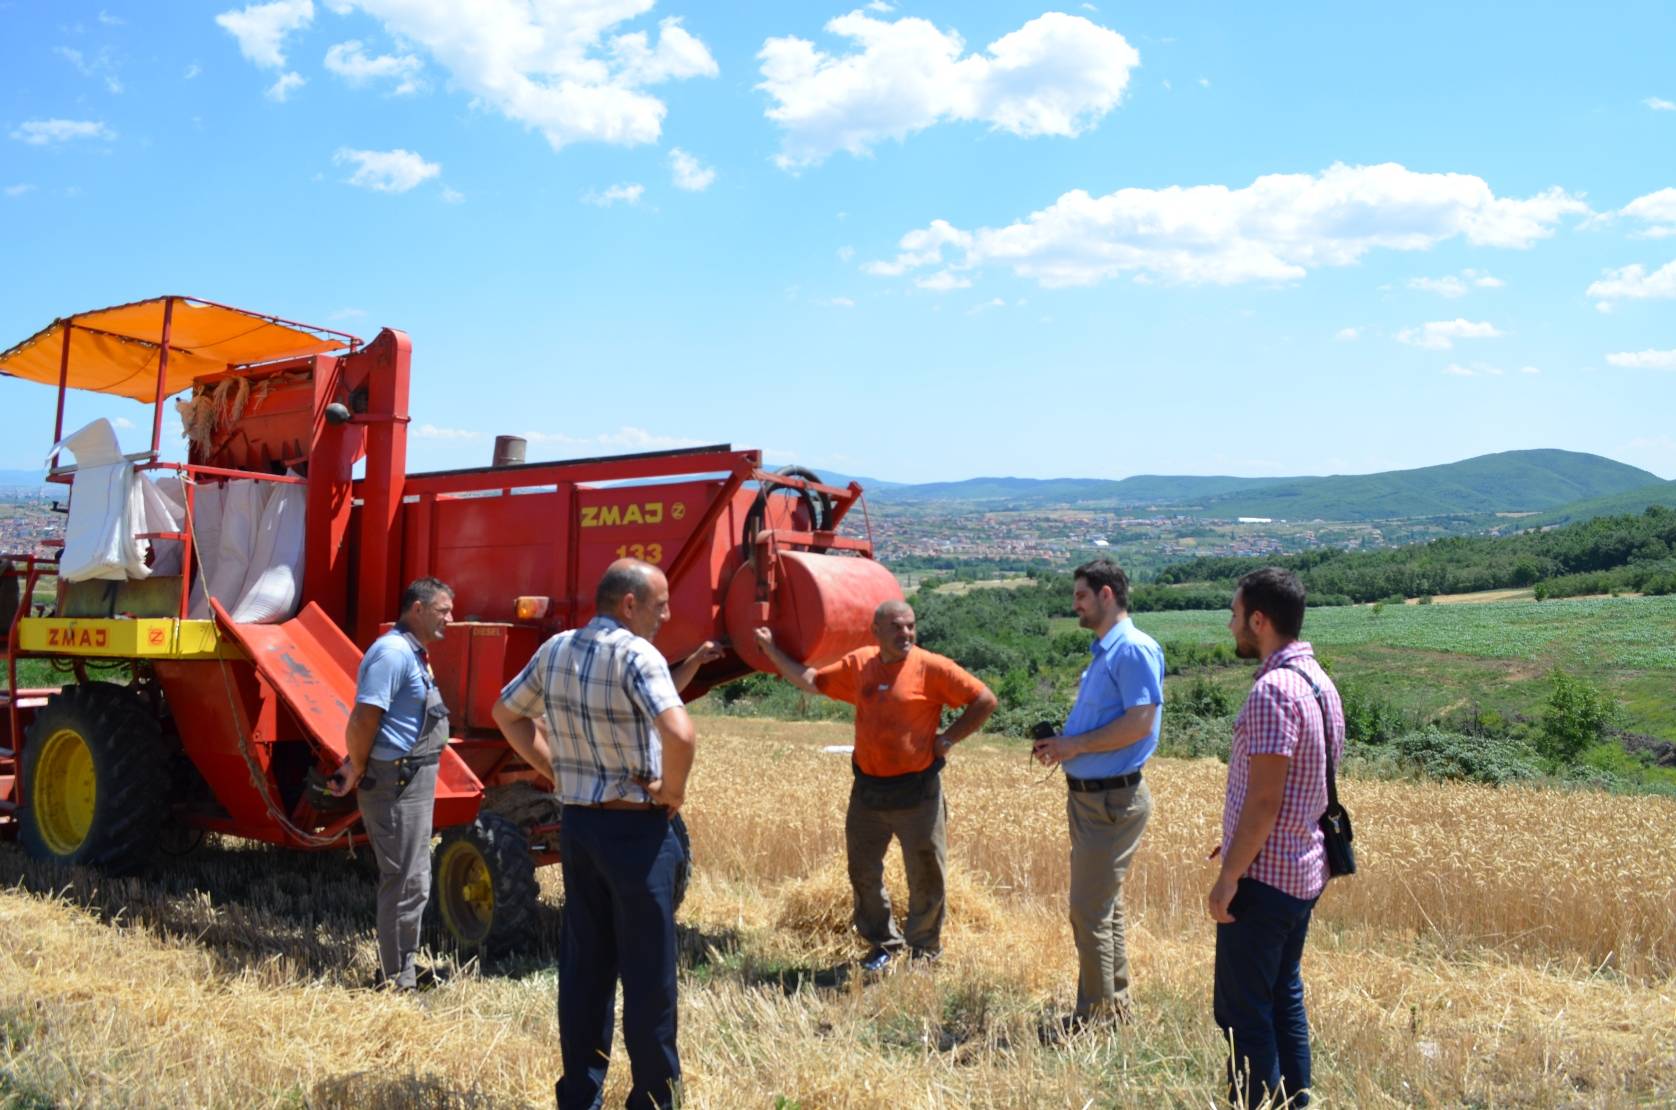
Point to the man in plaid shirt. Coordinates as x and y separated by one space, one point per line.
1274 862
619 746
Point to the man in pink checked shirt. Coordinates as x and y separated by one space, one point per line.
1274 862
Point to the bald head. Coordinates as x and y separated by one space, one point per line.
634 594
893 627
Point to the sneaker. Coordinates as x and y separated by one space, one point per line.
925 957
877 960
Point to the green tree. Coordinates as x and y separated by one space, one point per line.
1576 715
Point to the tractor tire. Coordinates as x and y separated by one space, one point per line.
95 780
483 888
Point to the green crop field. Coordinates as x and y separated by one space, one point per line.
1596 633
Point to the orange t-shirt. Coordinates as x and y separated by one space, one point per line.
899 706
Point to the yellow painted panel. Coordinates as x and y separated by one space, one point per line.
144 638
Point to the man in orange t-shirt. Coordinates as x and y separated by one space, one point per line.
899 691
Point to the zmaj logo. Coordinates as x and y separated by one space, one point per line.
78 637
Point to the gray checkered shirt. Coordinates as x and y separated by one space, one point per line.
601 688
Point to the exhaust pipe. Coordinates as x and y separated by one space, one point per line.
509 451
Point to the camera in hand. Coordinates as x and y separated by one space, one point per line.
1044 730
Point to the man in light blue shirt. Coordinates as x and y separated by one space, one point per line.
1111 732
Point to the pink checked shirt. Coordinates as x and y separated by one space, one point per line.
1282 717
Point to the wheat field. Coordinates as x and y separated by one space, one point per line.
1501 947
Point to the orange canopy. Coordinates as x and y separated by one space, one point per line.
116 350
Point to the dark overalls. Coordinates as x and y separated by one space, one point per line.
396 797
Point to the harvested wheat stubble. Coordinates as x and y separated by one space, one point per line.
1501 947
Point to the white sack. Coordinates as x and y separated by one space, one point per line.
242 502
99 538
162 510
275 581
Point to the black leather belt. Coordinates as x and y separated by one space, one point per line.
1117 782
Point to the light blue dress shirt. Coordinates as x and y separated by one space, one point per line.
1127 670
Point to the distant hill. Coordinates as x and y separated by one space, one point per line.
1617 504
1511 481
1142 489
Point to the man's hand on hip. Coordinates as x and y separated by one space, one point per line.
668 798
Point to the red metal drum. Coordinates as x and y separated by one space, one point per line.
822 607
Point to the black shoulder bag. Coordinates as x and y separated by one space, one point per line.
1335 823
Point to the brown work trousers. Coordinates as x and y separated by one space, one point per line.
1106 827
923 832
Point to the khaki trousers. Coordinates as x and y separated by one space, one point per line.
923 831
1106 829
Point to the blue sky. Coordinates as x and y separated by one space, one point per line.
919 241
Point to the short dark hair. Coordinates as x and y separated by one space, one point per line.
1102 572
621 579
1276 593
423 591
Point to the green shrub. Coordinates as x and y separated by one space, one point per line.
1435 754
1203 698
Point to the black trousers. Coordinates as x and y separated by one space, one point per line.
619 922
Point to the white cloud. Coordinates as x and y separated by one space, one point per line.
842 302
347 314
121 422
280 91
18 190
879 6
1204 82
943 281
1529 370
452 196
386 171
1440 335
1278 228
110 20
845 253
101 66
631 438
690 174
1458 370
40 132
1644 360
1656 210
555 67
1456 285
432 431
987 306
1660 104
1634 283
1056 75
1347 335
615 194
263 28
350 61
192 71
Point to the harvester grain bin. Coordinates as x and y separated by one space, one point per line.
181 713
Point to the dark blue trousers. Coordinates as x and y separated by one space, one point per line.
1259 996
619 922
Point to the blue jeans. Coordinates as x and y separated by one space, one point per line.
1259 995
619 921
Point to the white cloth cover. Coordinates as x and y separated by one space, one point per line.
242 502
275 580
106 510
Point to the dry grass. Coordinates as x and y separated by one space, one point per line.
1502 947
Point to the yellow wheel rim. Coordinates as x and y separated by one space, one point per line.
468 892
64 792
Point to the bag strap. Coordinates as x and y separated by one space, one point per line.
1326 733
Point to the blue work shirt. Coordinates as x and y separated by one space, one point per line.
391 679
1127 670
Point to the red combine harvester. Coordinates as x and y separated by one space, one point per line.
177 720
